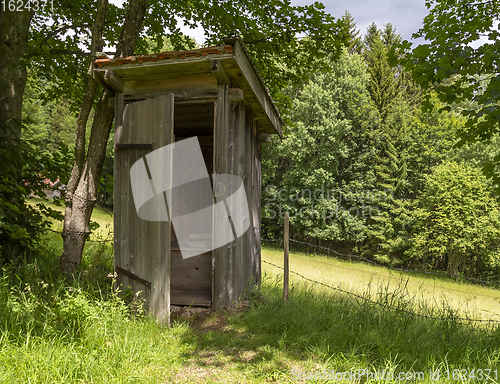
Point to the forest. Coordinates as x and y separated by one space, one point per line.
367 169
384 155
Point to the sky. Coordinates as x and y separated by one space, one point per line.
405 15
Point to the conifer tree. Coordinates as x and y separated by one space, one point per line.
389 36
372 34
383 86
355 44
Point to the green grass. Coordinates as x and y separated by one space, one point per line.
83 332
465 298
101 221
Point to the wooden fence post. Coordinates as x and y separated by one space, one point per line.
286 266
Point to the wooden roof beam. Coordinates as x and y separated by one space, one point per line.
219 73
114 81
261 93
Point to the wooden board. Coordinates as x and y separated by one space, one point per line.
234 149
141 80
142 247
256 204
192 298
180 86
221 279
191 274
258 89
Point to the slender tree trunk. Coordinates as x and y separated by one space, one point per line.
453 262
82 188
75 232
14 32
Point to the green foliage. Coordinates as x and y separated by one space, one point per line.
431 139
47 123
269 29
22 175
386 81
42 153
383 85
54 332
347 176
147 45
325 158
389 36
372 35
355 44
458 221
459 68
413 144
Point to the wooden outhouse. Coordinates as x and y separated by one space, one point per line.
217 96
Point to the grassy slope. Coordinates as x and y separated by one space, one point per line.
468 299
51 332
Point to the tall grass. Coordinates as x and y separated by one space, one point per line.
52 331
55 332
324 330
467 298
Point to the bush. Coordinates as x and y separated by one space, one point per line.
21 177
458 222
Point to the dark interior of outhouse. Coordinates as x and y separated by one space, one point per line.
191 278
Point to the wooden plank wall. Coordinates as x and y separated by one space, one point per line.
236 151
142 248
256 185
222 283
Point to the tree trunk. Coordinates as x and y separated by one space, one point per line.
453 262
14 32
79 205
76 228
82 187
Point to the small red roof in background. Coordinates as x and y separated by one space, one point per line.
165 56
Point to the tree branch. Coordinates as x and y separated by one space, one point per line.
88 99
63 52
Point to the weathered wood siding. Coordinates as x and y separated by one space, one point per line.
142 248
236 266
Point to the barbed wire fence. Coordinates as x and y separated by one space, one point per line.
371 301
109 239
350 256
385 305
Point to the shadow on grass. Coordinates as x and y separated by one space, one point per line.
316 331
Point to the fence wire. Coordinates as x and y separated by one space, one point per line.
373 302
382 265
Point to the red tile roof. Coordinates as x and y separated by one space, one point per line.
165 56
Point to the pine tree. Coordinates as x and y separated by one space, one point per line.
372 34
383 85
388 233
389 36
355 44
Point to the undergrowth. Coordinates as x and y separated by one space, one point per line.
52 331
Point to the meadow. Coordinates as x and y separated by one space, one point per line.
398 326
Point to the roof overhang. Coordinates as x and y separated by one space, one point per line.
193 75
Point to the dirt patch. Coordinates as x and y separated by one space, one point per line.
205 319
217 322
213 365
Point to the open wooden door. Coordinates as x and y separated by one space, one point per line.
142 246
